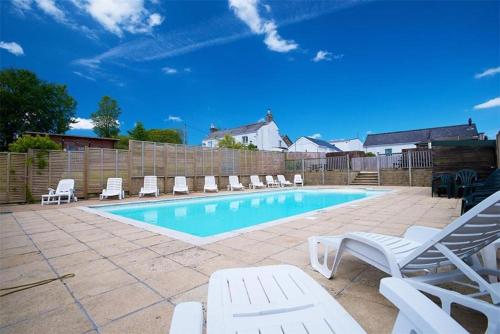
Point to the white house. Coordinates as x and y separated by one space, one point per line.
395 142
309 144
265 135
348 145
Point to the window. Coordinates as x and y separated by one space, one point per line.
279 143
388 151
245 139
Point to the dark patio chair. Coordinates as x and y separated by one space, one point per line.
464 180
443 182
479 191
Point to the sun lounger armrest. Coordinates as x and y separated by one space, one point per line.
187 319
420 234
52 191
416 311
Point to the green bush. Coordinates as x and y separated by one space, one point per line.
24 143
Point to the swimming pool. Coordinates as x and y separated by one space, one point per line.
197 219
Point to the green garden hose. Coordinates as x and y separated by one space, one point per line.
22 287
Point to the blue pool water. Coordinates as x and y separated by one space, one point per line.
203 217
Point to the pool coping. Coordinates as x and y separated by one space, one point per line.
199 241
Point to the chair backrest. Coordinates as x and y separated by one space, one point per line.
466 176
233 180
297 178
465 236
114 184
269 179
445 179
493 179
180 181
210 180
65 185
281 179
254 179
150 182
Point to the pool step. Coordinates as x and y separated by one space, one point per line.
366 179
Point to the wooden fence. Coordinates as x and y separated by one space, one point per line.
92 167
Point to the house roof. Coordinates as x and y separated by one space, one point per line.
62 135
454 132
342 140
249 128
324 143
287 140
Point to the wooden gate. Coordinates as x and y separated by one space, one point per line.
13 170
364 164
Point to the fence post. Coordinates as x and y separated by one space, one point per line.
378 168
86 172
154 159
409 166
348 170
303 172
8 177
30 170
129 169
142 158
69 164
322 171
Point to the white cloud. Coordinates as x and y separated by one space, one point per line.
12 47
117 16
82 124
83 76
174 118
49 7
493 103
169 70
316 135
488 73
325 55
22 4
187 69
247 11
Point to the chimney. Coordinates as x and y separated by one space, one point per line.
470 121
269 116
213 128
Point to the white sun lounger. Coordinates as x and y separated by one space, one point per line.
255 182
234 183
284 182
65 189
180 185
150 186
113 188
297 180
272 299
425 249
489 257
417 313
270 182
210 184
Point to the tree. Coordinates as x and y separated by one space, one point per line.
139 132
229 142
252 147
24 143
105 119
30 104
123 142
165 136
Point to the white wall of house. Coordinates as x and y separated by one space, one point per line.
266 138
305 145
348 145
395 148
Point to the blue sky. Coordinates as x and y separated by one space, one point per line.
334 69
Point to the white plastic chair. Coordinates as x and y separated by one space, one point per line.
284 182
255 182
65 188
489 257
113 188
270 182
425 249
417 313
297 180
150 186
210 184
180 185
273 299
234 183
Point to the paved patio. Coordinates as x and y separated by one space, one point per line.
128 280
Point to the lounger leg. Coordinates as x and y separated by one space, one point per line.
489 255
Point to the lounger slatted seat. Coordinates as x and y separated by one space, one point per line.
297 180
113 188
210 184
65 189
425 249
234 183
150 186
284 182
270 182
255 182
180 185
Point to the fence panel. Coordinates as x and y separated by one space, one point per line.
13 169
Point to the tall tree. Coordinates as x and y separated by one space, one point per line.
30 104
139 132
105 119
165 136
